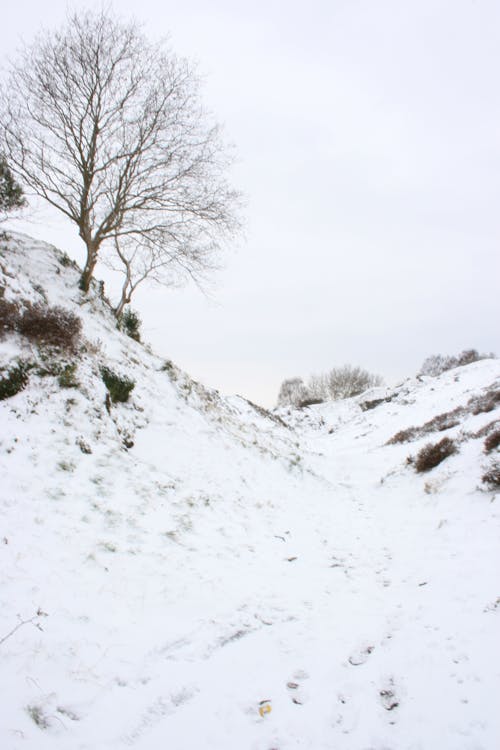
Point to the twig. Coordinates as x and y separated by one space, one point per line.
31 620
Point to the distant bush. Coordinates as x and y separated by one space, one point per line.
492 475
119 387
405 436
338 383
484 403
50 326
13 380
486 429
310 401
437 363
130 323
492 441
432 455
439 423
444 421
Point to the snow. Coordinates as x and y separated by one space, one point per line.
232 557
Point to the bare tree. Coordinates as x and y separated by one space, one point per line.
338 383
349 380
109 129
163 260
292 392
439 363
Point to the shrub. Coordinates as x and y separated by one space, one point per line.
310 402
66 261
444 421
486 429
432 455
11 193
51 326
368 405
404 436
130 322
485 402
15 379
67 377
9 317
492 476
439 423
492 441
119 388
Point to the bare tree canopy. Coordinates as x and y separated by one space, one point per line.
109 129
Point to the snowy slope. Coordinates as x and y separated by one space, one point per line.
230 557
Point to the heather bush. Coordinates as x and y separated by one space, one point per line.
50 326
119 387
9 317
432 455
404 436
492 476
484 403
492 441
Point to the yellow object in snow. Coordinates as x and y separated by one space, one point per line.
265 708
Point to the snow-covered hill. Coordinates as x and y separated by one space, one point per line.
188 571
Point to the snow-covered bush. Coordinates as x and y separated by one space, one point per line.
485 402
130 323
119 387
492 476
432 455
67 377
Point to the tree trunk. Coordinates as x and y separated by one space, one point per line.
119 308
88 271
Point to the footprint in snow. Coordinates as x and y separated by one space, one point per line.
388 698
295 690
360 656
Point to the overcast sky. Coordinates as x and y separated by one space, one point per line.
367 134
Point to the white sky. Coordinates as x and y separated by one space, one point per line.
368 142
